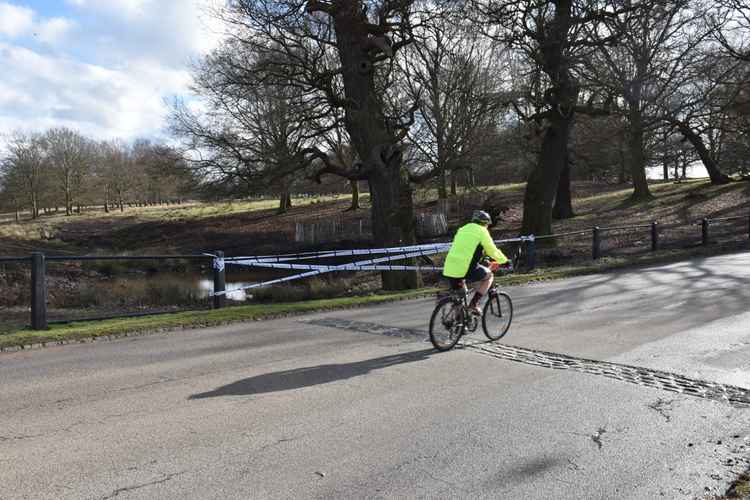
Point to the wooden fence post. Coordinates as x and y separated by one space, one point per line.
219 280
704 232
596 244
654 236
38 292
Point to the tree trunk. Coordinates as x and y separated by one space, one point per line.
285 201
665 165
544 178
68 196
560 97
563 208
355 195
374 141
443 184
716 175
454 182
34 206
393 220
637 156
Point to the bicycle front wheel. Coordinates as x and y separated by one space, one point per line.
497 315
446 324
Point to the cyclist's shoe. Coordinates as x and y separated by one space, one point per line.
475 309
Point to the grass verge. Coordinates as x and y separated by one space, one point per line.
192 319
81 331
741 489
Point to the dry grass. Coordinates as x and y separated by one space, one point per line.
246 225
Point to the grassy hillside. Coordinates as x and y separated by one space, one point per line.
245 227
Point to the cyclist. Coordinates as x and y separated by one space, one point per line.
462 263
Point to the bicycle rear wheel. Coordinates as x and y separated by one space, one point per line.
497 315
446 324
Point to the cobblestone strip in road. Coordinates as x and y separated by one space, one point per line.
735 396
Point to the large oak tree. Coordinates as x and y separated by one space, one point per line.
338 55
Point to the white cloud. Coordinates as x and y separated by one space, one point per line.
54 30
44 91
19 22
15 21
171 31
105 69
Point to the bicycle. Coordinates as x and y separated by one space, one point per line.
452 318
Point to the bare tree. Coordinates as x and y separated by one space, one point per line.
160 173
24 170
733 28
453 74
251 136
116 171
649 65
12 188
556 36
70 157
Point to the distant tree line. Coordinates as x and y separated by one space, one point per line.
61 170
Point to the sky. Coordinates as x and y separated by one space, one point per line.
104 67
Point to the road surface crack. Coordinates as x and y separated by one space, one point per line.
167 477
573 466
278 442
597 438
662 407
21 437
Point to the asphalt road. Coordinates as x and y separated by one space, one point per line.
647 401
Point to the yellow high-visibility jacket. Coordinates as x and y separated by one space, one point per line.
466 250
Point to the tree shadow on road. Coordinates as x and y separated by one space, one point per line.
311 375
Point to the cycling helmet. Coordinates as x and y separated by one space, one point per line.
481 217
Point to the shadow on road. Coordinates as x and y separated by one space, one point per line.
311 375
525 471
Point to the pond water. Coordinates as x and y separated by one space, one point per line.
234 289
195 283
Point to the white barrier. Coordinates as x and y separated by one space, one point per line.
285 261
